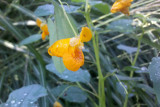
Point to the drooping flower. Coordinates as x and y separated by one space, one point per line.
57 104
70 49
43 27
121 6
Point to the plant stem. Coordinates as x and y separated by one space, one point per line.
133 64
101 91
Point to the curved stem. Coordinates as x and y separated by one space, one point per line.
101 91
133 64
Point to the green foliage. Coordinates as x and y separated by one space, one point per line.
44 10
102 7
48 9
128 49
58 62
154 71
25 96
78 76
70 93
30 39
117 71
122 25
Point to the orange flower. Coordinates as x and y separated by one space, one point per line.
57 104
121 6
70 49
43 27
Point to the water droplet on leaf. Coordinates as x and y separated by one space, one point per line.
25 94
13 101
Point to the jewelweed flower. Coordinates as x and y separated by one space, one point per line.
43 27
121 6
57 104
70 49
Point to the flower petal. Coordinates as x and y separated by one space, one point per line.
74 59
43 35
38 22
125 11
121 6
59 48
57 104
86 34
44 28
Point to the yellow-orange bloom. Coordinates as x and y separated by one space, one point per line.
57 104
70 49
43 27
38 22
121 6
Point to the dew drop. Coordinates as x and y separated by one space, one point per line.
66 76
25 94
13 101
143 68
31 102
19 102
22 100
6 104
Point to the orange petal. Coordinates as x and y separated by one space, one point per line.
44 28
74 59
125 11
43 35
38 22
121 6
59 48
57 104
86 34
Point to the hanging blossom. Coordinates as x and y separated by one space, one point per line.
43 27
70 49
121 6
57 104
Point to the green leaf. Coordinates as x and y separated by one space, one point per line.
126 48
122 25
142 70
102 7
154 72
145 87
48 9
78 76
30 39
121 89
25 96
126 78
71 8
70 93
44 10
24 10
58 62
130 68
60 29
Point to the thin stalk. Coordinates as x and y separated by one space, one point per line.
109 20
94 94
101 91
133 64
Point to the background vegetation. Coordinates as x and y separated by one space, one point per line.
127 45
